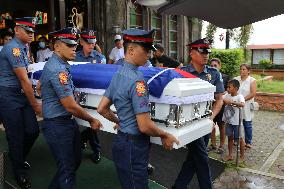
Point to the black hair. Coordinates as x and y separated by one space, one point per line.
235 83
42 37
246 65
215 60
6 33
117 40
159 48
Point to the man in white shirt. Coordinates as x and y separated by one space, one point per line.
117 52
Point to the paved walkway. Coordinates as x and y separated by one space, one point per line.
264 165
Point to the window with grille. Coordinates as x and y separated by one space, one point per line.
136 17
156 23
173 36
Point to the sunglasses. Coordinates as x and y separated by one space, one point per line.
70 45
203 50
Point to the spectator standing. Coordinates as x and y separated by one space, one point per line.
216 63
6 36
44 53
117 52
233 103
248 90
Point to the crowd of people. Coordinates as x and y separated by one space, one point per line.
232 110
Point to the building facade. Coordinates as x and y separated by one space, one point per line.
108 18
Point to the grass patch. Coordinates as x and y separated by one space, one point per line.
270 86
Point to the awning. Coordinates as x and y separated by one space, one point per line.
225 13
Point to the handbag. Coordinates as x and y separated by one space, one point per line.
254 106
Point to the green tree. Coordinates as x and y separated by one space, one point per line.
242 37
265 64
210 31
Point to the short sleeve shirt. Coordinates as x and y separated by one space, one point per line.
116 54
212 75
129 93
94 57
13 55
234 119
56 83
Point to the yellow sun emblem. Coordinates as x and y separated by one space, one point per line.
16 52
140 88
63 78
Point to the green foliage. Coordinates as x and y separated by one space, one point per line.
265 63
231 60
270 86
243 35
210 31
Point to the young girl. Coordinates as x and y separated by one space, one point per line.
233 102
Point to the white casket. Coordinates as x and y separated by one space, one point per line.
183 109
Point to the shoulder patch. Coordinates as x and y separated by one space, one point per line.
208 77
16 52
63 78
140 88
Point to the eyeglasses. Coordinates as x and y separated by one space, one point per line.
203 50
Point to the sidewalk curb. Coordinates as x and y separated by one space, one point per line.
273 157
262 173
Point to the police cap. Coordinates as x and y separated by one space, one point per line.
141 37
89 36
201 45
27 23
67 35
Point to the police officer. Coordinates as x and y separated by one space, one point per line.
59 106
17 102
197 157
88 54
128 91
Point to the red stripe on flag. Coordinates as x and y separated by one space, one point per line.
185 74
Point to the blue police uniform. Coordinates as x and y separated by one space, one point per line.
18 116
59 128
197 157
94 57
89 134
128 91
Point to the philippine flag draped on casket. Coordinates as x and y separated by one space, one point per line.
180 103
98 76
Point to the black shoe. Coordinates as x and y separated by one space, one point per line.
23 182
150 169
96 157
27 165
84 145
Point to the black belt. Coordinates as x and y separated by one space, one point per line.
132 137
11 89
59 118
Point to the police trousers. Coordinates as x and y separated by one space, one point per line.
20 124
130 154
90 135
196 162
63 137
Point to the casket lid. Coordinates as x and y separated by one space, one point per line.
182 87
